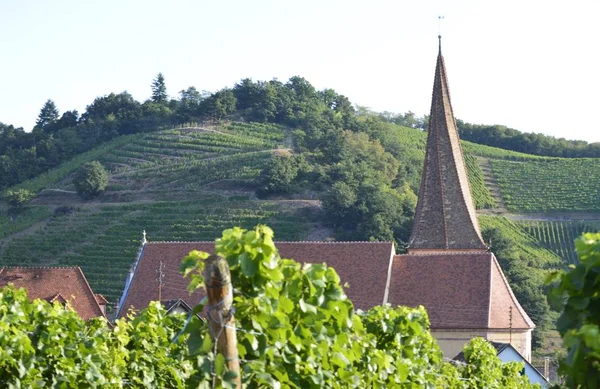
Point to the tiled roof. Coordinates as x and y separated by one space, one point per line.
54 284
445 217
363 265
459 290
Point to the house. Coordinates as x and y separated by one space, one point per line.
66 285
507 353
448 268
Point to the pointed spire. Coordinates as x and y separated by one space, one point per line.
445 218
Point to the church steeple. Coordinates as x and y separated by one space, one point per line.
445 218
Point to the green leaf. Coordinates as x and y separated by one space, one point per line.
286 304
249 268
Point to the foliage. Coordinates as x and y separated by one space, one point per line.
484 369
159 89
17 197
530 143
48 114
91 179
578 295
48 345
362 202
297 329
280 175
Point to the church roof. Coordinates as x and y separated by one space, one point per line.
62 284
363 265
445 217
459 290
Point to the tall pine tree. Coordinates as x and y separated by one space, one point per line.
159 89
48 114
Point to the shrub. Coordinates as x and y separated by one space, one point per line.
18 197
90 180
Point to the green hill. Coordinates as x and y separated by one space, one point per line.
191 182
178 184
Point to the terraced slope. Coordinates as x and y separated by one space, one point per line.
104 240
177 184
558 236
550 185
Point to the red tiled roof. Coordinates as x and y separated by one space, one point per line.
363 265
459 290
445 217
54 284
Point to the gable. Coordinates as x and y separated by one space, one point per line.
459 290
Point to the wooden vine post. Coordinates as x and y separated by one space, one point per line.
219 293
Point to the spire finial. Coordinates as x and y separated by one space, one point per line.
440 18
144 237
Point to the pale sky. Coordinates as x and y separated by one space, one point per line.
530 65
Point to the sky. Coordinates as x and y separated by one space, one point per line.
527 64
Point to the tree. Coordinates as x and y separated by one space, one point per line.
159 89
577 295
90 180
18 197
48 114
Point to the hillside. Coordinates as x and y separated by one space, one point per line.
190 182
177 184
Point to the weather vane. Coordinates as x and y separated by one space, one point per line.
440 18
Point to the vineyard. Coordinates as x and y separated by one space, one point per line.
104 241
559 236
172 164
481 195
549 185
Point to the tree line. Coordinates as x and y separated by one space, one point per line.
57 137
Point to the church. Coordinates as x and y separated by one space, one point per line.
448 268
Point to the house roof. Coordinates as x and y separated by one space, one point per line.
459 290
445 217
363 265
170 305
63 284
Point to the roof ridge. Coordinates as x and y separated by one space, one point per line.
280 241
515 302
417 254
95 301
41 267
